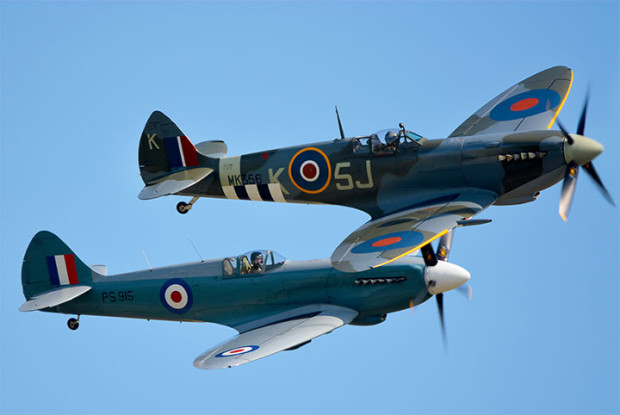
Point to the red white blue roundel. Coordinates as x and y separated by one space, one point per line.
393 240
176 296
310 170
526 104
237 351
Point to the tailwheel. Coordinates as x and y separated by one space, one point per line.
73 323
183 207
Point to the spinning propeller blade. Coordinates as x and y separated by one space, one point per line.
566 134
582 119
432 259
465 290
589 168
439 298
443 249
568 189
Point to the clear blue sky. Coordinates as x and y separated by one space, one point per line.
541 334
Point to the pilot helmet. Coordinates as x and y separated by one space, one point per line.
391 137
256 255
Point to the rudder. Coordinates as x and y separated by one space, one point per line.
49 264
163 148
168 160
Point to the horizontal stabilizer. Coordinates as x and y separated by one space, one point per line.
214 148
54 297
174 183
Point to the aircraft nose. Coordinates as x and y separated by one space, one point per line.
582 150
445 276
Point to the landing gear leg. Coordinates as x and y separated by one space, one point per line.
183 207
73 323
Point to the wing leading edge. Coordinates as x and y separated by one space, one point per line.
294 329
532 104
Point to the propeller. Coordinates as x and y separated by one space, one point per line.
432 259
444 337
580 150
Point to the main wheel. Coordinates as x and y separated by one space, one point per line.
73 324
183 208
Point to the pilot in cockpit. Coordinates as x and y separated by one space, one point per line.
257 262
391 140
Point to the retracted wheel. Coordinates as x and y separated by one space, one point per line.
73 323
183 208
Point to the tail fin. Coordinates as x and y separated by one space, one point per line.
169 162
51 273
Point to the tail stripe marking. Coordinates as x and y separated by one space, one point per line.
180 147
174 155
263 190
62 269
229 192
181 152
61 266
270 192
71 270
190 155
276 192
242 193
253 192
51 267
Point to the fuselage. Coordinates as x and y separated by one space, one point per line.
378 179
211 294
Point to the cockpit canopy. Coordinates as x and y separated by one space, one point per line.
252 262
387 141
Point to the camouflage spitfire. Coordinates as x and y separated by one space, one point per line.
273 303
415 189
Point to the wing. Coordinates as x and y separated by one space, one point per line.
286 331
532 104
393 236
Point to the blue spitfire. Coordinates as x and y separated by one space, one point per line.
414 189
273 303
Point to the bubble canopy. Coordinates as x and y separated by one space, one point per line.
253 262
387 141
388 135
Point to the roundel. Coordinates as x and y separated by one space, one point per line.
176 296
237 351
394 240
526 104
310 170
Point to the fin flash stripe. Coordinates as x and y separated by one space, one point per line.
62 269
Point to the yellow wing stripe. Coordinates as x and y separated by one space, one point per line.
439 235
563 101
